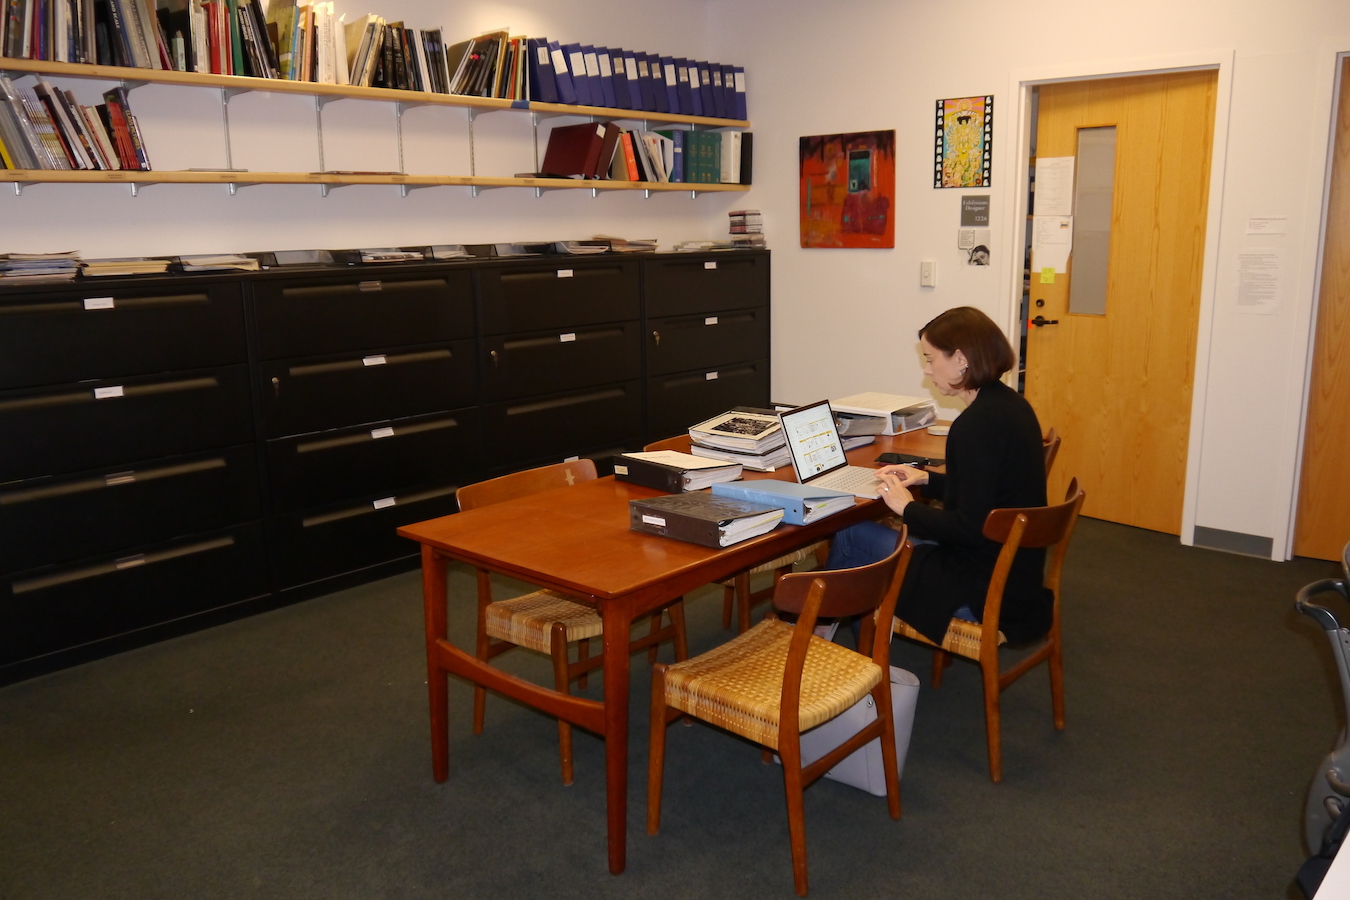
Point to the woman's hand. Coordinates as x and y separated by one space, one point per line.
893 491
910 476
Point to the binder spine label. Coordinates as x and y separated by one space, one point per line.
653 520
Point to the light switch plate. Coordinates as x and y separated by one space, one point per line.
928 273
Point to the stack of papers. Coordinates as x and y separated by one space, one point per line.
448 251
624 245
755 462
878 413
580 248
225 262
695 246
389 255
39 266
97 268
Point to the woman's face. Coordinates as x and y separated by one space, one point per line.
945 370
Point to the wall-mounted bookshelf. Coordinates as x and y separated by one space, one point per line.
233 85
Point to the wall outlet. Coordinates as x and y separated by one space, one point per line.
928 273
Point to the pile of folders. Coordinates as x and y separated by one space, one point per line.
306 41
45 128
606 151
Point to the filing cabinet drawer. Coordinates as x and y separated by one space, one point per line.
558 295
681 343
560 425
351 536
675 402
310 395
45 521
103 423
706 283
335 315
335 465
106 331
542 363
46 610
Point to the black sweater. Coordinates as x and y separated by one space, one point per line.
994 460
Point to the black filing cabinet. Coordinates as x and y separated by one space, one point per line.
128 471
706 337
368 407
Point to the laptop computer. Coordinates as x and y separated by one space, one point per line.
818 453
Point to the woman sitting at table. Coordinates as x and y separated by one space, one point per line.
994 459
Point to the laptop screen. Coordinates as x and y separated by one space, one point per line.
813 440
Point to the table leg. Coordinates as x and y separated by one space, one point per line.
433 608
618 621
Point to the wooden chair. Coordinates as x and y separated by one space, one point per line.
738 586
777 680
546 620
1044 526
1050 442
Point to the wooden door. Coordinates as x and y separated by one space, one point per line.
1118 386
1323 524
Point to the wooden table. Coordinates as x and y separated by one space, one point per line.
576 541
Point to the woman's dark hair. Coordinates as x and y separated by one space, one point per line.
987 352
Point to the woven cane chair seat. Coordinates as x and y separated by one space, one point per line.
787 559
527 620
962 637
739 685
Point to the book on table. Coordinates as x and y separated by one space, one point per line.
746 432
701 518
755 462
802 503
672 471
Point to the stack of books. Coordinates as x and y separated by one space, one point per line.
42 127
35 267
606 151
753 438
747 228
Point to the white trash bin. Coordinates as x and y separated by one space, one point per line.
863 768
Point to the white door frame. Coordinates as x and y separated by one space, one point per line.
1015 198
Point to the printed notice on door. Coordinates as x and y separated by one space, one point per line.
1260 277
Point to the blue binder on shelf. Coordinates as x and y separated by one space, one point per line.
671 84
801 503
658 84
630 71
695 95
738 90
592 75
543 82
728 92
562 75
576 65
606 77
705 88
719 96
682 86
622 99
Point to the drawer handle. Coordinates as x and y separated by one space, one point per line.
368 286
656 335
495 360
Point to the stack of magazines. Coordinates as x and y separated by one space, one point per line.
753 438
30 267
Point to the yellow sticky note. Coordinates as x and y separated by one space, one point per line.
1048 275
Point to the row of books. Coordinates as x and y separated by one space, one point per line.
305 41
42 127
604 150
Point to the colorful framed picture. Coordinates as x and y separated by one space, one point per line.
964 144
847 195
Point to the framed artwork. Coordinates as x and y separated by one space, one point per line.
964 144
847 194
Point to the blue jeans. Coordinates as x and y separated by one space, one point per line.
870 542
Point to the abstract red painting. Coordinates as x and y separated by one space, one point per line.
848 189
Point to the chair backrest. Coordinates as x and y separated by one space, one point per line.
678 442
1030 527
869 591
522 484
1050 443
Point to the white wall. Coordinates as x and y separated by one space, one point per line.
873 64
277 132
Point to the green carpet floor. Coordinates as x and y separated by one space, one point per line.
286 755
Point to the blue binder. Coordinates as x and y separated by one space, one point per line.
728 93
622 98
789 495
671 84
543 82
606 77
630 71
562 74
738 75
695 95
718 93
705 88
576 64
682 82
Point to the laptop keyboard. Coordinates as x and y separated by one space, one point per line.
855 479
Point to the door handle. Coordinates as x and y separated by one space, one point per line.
1042 320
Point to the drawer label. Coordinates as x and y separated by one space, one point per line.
104 393
378 433
98 302
570 336
564 273
711 320
377 360
711 376
115 478
710 265
385 503
654 520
